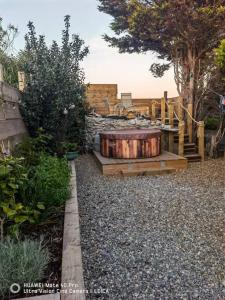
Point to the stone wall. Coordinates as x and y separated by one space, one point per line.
95 125
12 127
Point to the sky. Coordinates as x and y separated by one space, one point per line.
104 64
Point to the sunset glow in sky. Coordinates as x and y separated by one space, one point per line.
104 64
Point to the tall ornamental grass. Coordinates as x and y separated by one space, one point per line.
21 262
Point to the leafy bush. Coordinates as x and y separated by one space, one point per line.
65 147
68 147
55 91
13 177
212 123
26 149
32 187
30 148
21 261
50 184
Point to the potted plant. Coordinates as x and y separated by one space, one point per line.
70 150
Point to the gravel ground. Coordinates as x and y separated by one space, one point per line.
159 237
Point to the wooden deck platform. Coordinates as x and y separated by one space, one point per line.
164 164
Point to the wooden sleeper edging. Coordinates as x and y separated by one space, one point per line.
72 268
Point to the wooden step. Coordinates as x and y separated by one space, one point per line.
190 148
149 172
165 163
190 151
194 157
185 135
186 138
189 145
176 122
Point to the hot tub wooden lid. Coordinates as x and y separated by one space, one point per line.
131 134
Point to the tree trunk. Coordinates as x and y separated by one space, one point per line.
213 147
216 139
191 76
189 73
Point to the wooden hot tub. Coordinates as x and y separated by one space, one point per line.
131 143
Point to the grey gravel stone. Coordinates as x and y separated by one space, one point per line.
159 237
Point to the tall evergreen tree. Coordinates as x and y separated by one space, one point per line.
55 92
182 33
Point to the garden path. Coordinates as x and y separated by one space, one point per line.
157 237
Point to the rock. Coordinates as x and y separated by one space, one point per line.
95 124
132 122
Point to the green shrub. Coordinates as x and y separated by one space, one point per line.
21 261
55 91
30 148
211 123
26 150
69 147
12 177
13 212
50 184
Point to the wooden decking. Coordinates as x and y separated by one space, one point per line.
165 163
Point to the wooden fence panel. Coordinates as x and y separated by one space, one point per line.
12 127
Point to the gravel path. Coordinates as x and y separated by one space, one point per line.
157 237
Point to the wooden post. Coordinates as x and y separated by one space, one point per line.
162 141
171 123
171 114
190 123
21 80
166 95
180 109
181 139
153 110
201 140
1 73
163 111
171 141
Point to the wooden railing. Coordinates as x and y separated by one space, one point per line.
175 110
